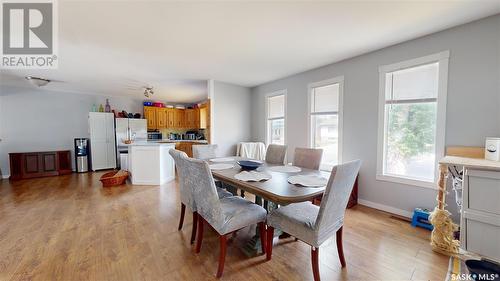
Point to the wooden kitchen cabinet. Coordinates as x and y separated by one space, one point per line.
179 118
197 118
150 115
174 118
190 119
204 115
187 147
161 118
39 164
203 118
170 112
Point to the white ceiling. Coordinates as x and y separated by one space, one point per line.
116 47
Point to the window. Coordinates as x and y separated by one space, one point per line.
325 120
411 122
276 108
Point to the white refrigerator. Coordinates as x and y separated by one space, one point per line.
128 128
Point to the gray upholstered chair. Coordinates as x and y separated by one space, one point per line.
309 158
186 190
313 224
275 154
225 215
204 151
207 152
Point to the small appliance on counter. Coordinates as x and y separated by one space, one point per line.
82 155
191 135
200 135
174 136
492 149
154 135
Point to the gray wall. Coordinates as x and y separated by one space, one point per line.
38 120
472 110
231 115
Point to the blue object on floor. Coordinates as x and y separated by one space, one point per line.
421 218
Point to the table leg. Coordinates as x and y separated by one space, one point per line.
258 200
253 247
230 188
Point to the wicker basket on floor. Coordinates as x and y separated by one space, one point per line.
114 178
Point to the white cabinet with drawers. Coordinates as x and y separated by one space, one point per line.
480 220
102 140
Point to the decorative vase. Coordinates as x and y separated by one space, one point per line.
94 108
101 108
107 107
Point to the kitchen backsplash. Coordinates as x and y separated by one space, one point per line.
166 132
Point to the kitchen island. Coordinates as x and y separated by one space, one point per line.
183 145
149 163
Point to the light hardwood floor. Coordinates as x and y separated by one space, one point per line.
69 228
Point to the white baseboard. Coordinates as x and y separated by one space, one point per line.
5 176
385 208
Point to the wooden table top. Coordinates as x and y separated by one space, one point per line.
277 189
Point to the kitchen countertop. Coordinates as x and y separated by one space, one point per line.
476 163
160 142
146 143
174 141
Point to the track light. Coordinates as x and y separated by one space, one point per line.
148 91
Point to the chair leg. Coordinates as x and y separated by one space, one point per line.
222 255
262 231
315 262
195 224
200 233
183 210
340 248
270 235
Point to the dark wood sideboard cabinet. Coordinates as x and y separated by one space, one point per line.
26 165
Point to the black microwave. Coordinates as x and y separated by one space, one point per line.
154 136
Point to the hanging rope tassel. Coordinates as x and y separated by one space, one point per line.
442 236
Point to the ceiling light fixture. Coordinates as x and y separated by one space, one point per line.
37 81
148 91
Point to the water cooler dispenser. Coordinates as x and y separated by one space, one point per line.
82 155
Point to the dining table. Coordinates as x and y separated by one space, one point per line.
274 191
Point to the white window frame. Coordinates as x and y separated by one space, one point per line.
442 58
340 113
270 95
